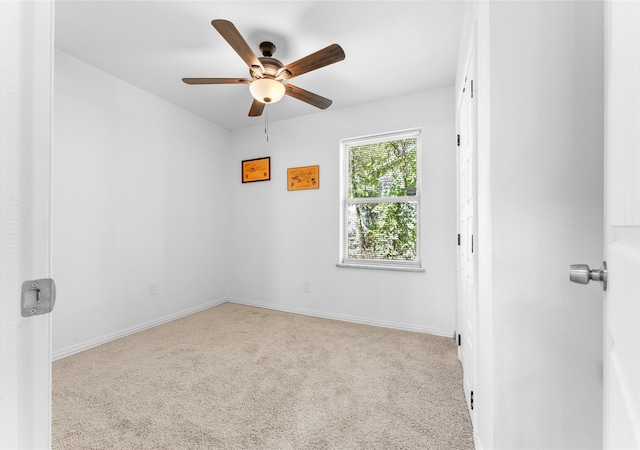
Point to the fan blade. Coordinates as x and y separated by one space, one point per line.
231 34
256 108
328 55
306 96
216 80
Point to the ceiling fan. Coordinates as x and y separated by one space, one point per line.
268 74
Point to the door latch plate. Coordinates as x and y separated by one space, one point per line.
38 297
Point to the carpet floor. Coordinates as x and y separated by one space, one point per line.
238 377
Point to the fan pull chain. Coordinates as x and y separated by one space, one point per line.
266 120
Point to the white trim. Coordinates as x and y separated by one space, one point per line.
345 202
129 331
372 266
367 139
404 199
341 317
241 301
26 46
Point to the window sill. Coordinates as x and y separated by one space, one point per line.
381 267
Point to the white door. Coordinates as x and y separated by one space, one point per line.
25 120
622 226
467 303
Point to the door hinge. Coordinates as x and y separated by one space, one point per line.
471 400
459 340
471 88
458 238
472 243
458 140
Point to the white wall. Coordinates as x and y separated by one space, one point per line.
146 192
283 239
540 170
138 197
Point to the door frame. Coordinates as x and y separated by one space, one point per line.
26 80
621 390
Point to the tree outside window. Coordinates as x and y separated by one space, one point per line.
382 200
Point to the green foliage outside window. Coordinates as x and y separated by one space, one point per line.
382 202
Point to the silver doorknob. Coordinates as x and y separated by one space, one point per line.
581 274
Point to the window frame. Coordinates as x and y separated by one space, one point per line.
399 265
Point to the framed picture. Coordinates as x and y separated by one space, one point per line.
258 169
299 178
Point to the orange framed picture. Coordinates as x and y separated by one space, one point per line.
258 169
299 178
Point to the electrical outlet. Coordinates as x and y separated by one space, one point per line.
307 287
153 288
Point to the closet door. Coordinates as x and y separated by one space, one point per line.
467 289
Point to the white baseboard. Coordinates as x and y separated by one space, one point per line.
307 312
344 318
113 336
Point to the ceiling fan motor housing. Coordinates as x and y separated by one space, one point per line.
271 68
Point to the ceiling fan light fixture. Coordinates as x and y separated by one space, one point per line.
266 90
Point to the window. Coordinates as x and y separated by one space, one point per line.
381 201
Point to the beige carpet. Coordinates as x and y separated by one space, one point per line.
237 377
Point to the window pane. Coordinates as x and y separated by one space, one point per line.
382 231
382 169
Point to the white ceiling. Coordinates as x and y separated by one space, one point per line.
392 48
